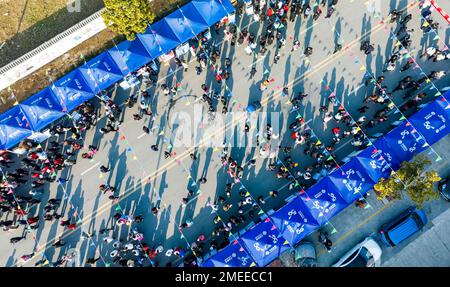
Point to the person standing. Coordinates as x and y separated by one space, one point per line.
325 240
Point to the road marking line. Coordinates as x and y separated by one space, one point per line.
89 169
142 135
358 226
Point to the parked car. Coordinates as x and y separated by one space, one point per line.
365 254
305 254
444 188
404 226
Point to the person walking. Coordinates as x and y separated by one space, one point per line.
325 240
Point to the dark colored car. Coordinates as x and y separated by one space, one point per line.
404 226
444 189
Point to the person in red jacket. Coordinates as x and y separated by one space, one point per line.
336 131
72 226
33 220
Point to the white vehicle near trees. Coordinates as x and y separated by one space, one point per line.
365 254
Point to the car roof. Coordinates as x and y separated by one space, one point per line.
403 230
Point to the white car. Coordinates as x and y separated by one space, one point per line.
364 254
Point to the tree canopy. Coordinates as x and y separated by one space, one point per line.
127 17
412 178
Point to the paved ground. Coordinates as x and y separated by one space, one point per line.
144 177
431 248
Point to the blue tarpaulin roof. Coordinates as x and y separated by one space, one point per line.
351 181
263 242
73 90
323 200
183 27
234 255
384 148
373 163
14 127
189 11
166 30
130 54
102 72
404 141
213 10
432 120
294 221
155 43
42 109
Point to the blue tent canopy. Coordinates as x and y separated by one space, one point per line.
351 181
403 142
156 44
373 163
384 148
164 29
323 200
294 221
234 255
102 72
432 121
73 90
213 10
189 11
14 127
263 242
42 109
130 54
185 28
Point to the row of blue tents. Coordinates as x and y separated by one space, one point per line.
308 211
85 82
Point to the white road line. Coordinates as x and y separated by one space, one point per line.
142 135
253 64
307 122
355 89
89 169
343 145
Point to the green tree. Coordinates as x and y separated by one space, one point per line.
412 178
127 17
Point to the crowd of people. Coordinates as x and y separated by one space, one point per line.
235 206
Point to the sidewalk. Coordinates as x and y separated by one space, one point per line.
430 249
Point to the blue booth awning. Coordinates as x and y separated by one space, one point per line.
14 127
155 44
323 200
185 28
234 255
294 221
130 55
373 163
102 72
213 11
42 109
73 90
351 181
403 142
432 121
263 242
